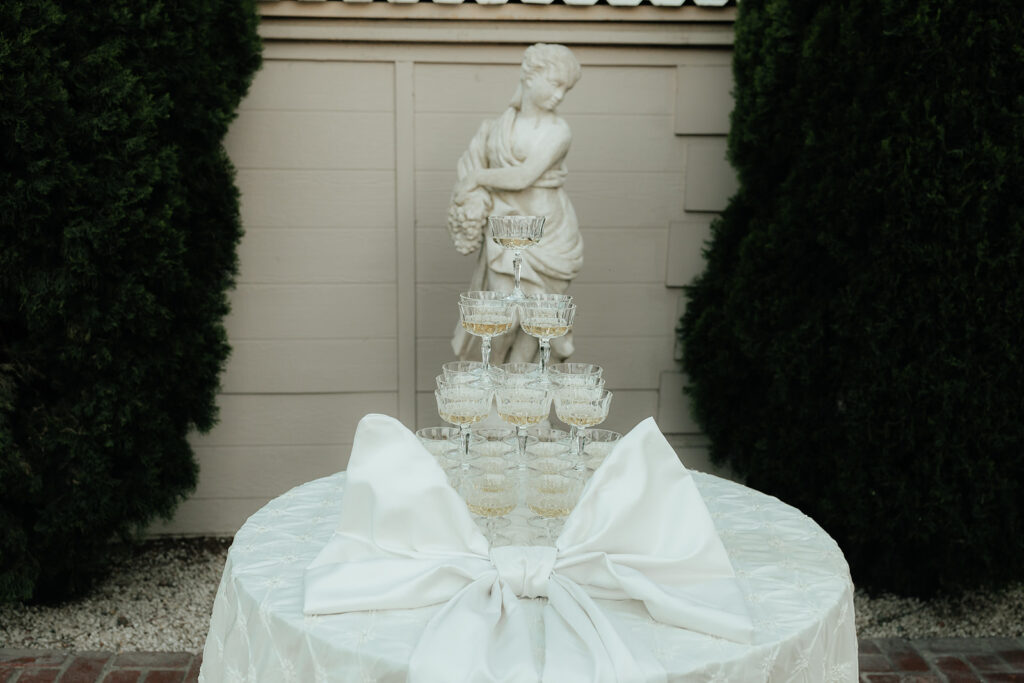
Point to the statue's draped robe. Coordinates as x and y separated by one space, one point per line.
548 266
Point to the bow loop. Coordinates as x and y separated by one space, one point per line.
525 569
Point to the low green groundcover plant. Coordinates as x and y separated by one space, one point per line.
855 345
118 226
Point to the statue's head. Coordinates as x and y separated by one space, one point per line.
556 63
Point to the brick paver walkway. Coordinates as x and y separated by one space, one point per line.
35 666
941 660
882 660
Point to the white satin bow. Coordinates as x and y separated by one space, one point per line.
639 531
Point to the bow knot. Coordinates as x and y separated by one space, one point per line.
525 569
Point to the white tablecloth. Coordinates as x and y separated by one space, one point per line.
793 574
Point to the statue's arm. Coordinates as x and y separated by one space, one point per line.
475 156
470 203
549 149
471 161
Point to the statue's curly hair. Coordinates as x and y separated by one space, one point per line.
555 61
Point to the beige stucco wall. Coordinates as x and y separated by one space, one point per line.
346 154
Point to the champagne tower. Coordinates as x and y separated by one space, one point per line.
497 469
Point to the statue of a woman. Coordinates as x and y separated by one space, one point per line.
515 165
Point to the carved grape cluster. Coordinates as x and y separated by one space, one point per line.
466 221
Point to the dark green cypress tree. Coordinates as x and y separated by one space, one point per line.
118 227
854 345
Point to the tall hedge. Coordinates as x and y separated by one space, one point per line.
855 345
118 226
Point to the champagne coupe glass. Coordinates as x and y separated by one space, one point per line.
463 370
546 319
547 440
463 404
575 373
490 495
492 449
522 405
486 315
582 407
549 298
562 380
443 444
596 447
548 449
516 373
551 496
516 233
591 387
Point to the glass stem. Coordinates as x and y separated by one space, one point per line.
580 437
545 355
485 353
464 437
517 267
521 438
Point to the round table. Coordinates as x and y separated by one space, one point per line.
794 576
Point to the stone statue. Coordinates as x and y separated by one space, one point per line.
515 165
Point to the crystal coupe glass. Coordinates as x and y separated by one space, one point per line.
444 444
597 444
516 373
492 448
516 233
486 315
463 404
548 449
582 407
491 495
551 496
546 319
463 370
575 373
522 405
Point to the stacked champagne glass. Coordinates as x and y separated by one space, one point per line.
500 469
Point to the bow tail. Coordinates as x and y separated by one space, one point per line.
481 635
584 645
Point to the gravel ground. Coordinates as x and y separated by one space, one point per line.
160 598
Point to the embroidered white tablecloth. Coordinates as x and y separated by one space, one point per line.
793 575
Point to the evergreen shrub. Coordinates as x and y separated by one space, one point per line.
118 227
854 345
